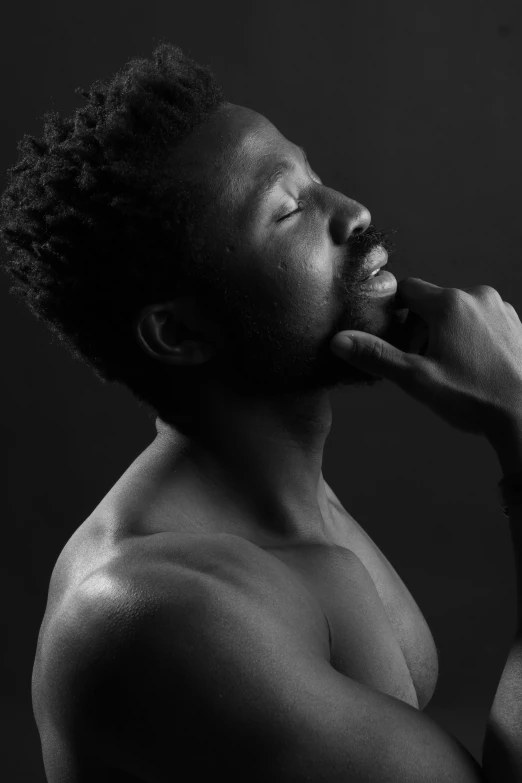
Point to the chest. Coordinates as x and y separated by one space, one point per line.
378 634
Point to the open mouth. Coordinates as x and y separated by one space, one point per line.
376 272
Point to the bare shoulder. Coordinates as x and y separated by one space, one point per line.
180 578
203 661
178 570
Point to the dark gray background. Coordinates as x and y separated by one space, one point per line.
414 110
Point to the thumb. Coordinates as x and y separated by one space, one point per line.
369 353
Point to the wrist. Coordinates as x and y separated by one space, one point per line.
506 439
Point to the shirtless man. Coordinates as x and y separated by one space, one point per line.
220 615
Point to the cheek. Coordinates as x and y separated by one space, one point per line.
305 281
313 280
311 304
289 275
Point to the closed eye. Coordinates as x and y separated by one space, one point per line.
301 204
300 208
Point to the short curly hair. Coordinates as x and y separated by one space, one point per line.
98 223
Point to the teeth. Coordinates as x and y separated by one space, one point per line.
374 273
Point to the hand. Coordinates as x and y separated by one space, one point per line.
465 359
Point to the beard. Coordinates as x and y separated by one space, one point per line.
269 349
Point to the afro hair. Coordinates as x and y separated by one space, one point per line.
97 224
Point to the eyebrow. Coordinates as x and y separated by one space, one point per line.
271 180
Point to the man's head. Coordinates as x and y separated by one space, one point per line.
140 232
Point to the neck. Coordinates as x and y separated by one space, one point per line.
264 458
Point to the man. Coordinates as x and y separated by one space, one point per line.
219 613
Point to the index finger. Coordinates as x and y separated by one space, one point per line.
419 296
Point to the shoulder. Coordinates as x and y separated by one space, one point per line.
192 666
161 601
165 579
146 571
158 568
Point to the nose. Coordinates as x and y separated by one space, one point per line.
349 218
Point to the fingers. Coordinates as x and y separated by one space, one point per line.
419 296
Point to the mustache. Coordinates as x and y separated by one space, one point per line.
360 248
361 245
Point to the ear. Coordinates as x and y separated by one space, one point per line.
170 333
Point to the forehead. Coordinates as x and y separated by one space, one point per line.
232 150
235 133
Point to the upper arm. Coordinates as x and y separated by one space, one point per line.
213 682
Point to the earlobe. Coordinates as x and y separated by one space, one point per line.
194 352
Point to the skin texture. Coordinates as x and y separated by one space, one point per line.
259 336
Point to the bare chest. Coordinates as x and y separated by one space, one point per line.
378 634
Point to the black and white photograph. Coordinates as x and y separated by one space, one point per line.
261 398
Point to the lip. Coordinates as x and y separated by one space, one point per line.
377 258
385 284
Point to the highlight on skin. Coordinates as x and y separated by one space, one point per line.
101 218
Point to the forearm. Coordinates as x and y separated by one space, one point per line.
502 748
505 437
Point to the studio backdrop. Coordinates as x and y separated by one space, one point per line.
411 108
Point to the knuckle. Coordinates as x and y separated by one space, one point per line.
452 298
453 294
458 297
485 291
